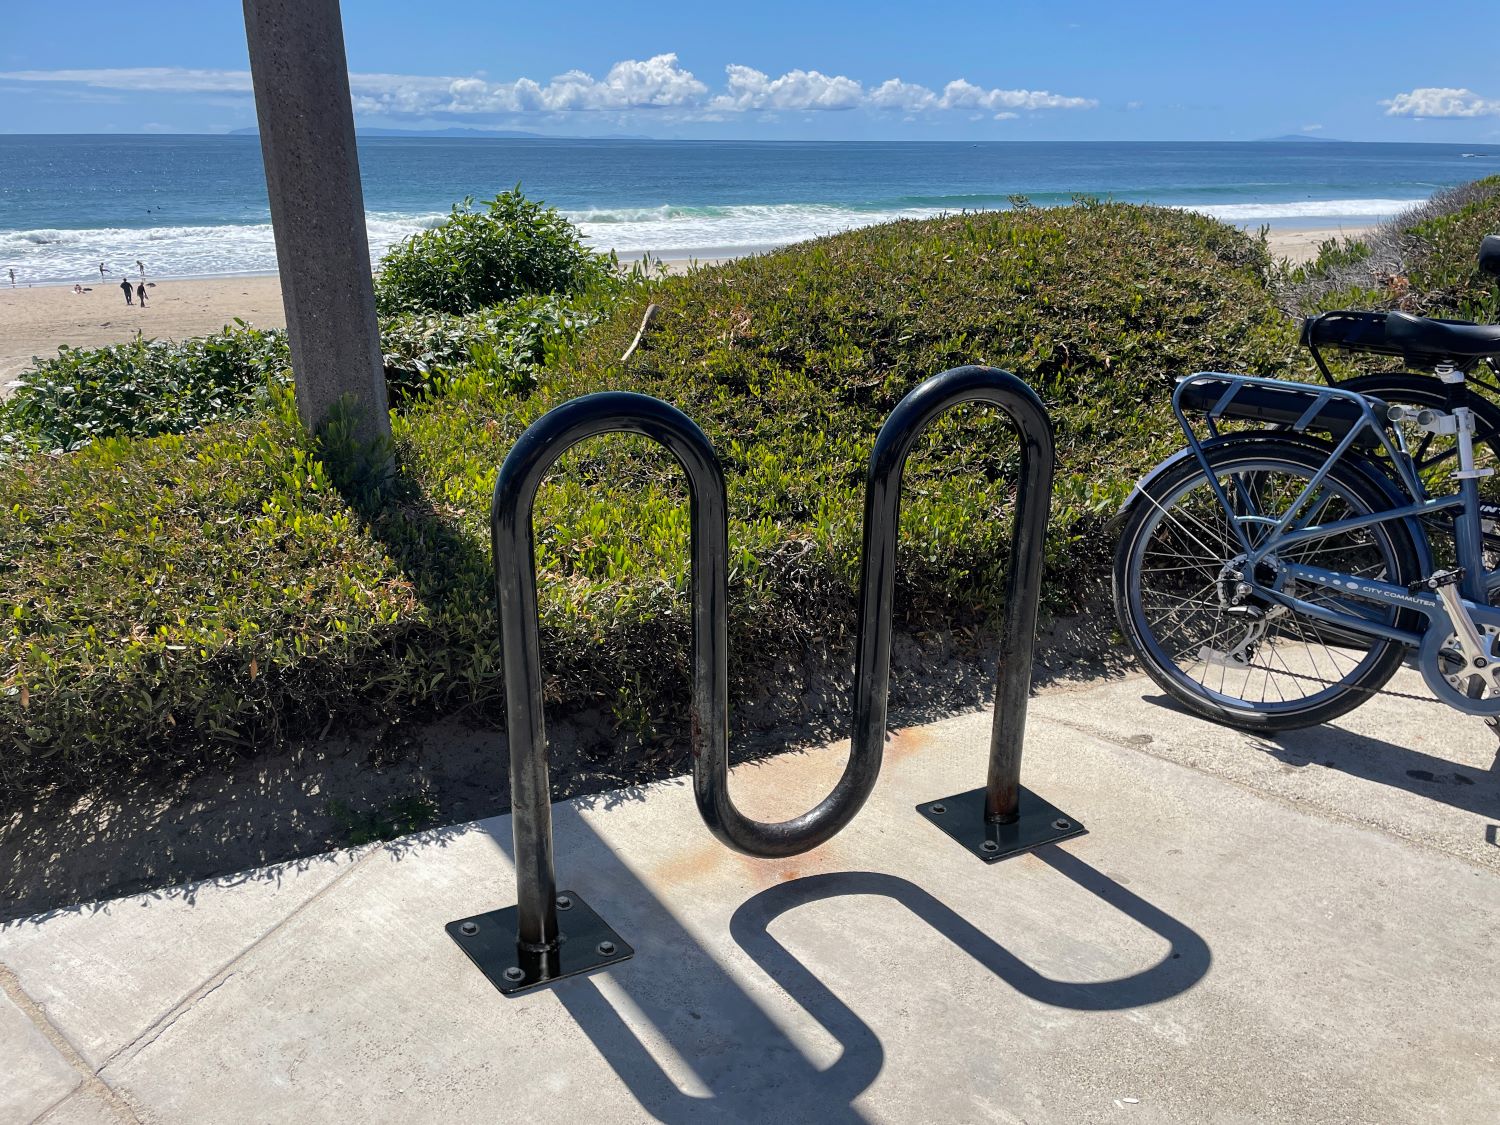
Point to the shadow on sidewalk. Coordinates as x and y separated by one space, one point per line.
692 1044
1375 759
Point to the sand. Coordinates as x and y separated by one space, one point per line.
1299 246
33 322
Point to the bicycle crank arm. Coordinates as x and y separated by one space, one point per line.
1478 652
1430 642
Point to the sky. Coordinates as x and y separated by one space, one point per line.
782 70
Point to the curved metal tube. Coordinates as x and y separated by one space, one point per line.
515 581
515 585
911 417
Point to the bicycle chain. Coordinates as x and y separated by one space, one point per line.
1392 692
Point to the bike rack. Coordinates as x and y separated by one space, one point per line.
1003 818
524 946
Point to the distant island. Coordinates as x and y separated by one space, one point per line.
456 131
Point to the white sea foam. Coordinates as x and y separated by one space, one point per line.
1371 210
48 255
679 230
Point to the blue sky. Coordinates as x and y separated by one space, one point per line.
995 71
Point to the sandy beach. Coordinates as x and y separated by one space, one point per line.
34 322
1302 245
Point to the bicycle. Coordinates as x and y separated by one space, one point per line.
1274 579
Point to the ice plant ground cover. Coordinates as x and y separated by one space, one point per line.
181 596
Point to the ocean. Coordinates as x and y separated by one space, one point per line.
193 206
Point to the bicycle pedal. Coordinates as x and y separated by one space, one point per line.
1436 581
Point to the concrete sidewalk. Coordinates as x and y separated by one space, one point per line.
1298 930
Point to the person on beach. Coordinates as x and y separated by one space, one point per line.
12 279
125 285
140 265
101 271
140 293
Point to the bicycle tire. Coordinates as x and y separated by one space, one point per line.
1257 459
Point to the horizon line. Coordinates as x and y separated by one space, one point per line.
479 134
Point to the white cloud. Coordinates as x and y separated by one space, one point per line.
399 93
962 94
1311 128
896 94
1441 101
657 83
749 89
654 83
169 78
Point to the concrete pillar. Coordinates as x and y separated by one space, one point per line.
301 84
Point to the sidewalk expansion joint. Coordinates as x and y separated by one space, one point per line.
220 976
89 1079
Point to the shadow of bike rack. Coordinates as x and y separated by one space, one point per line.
526 945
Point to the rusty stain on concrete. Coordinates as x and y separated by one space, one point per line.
905 743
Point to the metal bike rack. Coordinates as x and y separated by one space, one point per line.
524 946
1003 818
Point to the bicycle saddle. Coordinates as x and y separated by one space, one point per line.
1489 255
1417 335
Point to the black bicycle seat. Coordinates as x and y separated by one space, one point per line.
1417 335
1489 255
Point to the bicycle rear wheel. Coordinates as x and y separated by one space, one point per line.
1255 664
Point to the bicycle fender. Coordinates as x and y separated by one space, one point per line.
1371 471
1144 483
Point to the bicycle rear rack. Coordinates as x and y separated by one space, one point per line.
524 946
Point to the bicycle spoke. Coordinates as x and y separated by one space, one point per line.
1272 657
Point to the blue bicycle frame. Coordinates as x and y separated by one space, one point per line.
1295 526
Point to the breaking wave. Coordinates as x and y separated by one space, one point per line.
1369 210
58 255
52 256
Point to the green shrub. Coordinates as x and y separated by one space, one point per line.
511 248
1442 277
178 584
148 387
177 596
513 340
1334 255
144 387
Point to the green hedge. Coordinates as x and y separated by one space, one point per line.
143 388
515 339
147 387
177 596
